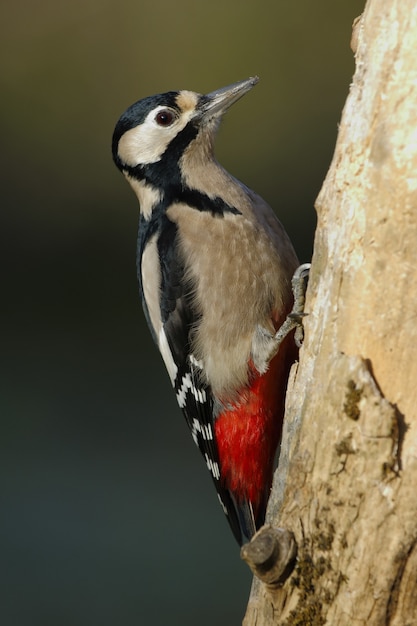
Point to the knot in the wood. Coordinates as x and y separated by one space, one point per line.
271 555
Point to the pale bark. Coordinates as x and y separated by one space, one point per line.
346 485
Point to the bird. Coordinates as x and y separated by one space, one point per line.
214 266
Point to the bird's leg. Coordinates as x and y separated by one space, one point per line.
295 317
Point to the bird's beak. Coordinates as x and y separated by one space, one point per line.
214 104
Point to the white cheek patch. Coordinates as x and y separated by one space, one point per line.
147 142
144 144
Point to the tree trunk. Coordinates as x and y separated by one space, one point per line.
346 485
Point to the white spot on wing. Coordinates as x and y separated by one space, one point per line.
204 430
207 433
167 355
187 385
151 281
213 467
222 505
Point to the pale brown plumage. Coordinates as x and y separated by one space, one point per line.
241 267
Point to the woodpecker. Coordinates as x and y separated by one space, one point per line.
214 266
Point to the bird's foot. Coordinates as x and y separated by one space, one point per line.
294 319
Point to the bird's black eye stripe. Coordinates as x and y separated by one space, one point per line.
165 117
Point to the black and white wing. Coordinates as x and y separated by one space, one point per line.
170 314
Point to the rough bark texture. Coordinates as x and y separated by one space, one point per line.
346 486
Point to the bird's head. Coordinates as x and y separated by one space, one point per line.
156 131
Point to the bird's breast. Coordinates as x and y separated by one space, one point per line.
238 283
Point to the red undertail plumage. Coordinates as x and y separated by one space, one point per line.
249 432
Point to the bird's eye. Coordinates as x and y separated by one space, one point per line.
165 117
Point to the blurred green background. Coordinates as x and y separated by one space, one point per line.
108 514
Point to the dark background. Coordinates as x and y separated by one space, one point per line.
108 515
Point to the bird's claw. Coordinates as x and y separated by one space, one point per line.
294 319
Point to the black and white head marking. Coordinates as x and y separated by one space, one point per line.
147 128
